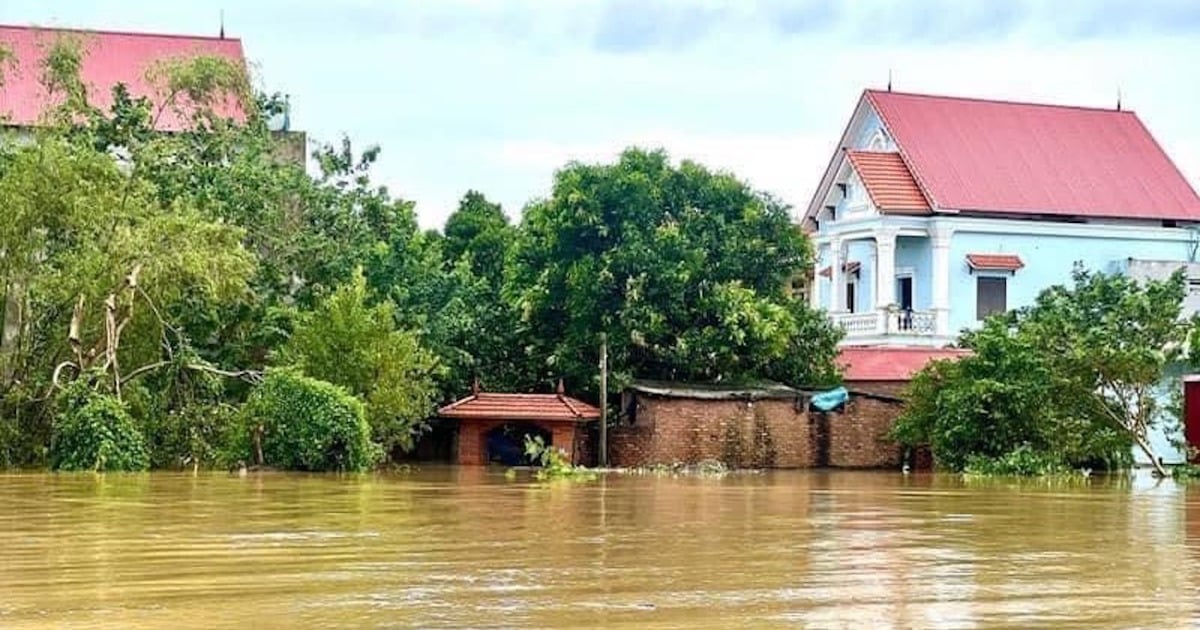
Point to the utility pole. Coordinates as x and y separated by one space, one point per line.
603 400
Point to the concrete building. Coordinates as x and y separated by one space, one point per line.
935 212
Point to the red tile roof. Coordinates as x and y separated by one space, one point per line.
996 262
532 407
889 182
110 58
850 267
997 156
868 363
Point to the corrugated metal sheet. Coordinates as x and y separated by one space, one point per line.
877 363
498 406
997 262
715 391
888 181
110 58
995 156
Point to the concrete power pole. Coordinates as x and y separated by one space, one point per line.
603 400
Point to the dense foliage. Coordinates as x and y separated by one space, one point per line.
347 342
301 423
163 272
95 432
1073 380
687 271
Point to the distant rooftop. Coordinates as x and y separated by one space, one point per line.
110 57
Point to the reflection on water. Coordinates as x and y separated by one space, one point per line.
452 548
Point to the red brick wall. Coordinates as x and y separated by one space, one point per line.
569 437
858 438
759 434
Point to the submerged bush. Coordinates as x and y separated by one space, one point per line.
307 424
94 431
1022 461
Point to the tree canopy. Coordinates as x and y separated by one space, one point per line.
687 271
150 278
1077 378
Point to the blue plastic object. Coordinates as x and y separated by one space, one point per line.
830 400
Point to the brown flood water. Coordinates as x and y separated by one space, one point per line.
456 548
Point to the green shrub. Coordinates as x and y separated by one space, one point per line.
1022 461
94 431
349 342
308 424
554 463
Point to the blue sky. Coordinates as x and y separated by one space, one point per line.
496 95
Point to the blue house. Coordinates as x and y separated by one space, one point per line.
935 212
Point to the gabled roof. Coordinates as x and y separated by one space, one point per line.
110 58
888 181
877 363
974 155
531 407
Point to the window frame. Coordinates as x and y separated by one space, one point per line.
991 278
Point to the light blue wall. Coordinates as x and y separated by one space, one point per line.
863 252
915 253
1048 261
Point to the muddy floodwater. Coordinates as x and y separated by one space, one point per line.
461 548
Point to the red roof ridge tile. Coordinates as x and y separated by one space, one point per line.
101 31
1001 101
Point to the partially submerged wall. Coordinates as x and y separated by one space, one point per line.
769 433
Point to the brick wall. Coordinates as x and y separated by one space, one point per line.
858 437
758 434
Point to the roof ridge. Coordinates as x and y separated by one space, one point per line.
566 400
100 31
1002 101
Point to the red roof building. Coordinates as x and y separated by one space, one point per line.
888 370
935 212
979 156
484 415
109 58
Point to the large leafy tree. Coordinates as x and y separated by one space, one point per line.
1077 377
686 271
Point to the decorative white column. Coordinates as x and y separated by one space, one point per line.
939 239
836 303
885 275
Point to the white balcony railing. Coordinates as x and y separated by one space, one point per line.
884 322
856 324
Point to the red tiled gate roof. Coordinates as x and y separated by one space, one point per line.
876 363
888 182
975 155
109 58
531 407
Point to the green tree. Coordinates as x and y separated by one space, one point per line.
686 270
1074 378
479 232
350 343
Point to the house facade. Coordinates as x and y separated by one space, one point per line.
935 212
